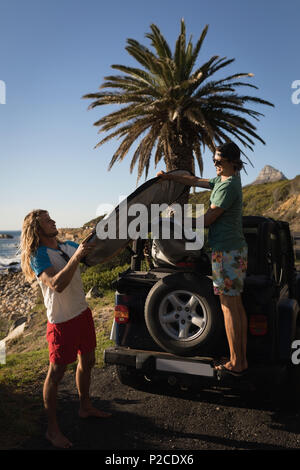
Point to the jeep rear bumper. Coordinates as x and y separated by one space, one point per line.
197 370
151 361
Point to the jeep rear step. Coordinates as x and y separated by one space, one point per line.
152 361
199 370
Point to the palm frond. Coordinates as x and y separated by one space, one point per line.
159 43
171 107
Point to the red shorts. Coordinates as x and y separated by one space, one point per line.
72 337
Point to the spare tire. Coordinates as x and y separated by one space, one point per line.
183 315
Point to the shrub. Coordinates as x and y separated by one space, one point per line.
103 280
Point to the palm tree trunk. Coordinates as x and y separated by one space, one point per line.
180 158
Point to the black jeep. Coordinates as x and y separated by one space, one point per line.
168 323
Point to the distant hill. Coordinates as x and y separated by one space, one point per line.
269 174
78 234
92 223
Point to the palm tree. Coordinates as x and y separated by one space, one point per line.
170 108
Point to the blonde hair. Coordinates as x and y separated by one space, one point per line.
30 241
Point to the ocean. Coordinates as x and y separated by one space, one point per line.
9 251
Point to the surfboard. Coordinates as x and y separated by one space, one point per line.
113 232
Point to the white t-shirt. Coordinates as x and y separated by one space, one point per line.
65 305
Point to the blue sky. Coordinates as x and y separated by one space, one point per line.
54 52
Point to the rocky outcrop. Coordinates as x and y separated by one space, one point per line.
285 202
75 234
5 235
17 298
269 175
78 234
94 292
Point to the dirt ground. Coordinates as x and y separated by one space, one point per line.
166 420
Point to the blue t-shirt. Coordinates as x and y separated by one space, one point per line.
65 305
41 260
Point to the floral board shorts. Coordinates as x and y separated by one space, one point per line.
229 271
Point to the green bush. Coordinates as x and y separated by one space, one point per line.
259 198
103 280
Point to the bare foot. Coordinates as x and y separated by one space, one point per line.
229 366
57 439
91 411
221 361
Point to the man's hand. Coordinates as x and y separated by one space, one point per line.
58 281
84 248
88 237
187 180
212 215
164 176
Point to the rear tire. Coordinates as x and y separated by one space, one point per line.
183 315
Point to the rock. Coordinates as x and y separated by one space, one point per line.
15 332
94 292
5 235
17 297
18 322
269 175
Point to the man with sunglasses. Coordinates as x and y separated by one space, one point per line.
229 248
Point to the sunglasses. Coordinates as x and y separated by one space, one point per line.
219 162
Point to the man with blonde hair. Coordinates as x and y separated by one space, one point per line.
70 326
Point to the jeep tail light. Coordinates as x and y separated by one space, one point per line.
258 325
121 314
182 264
